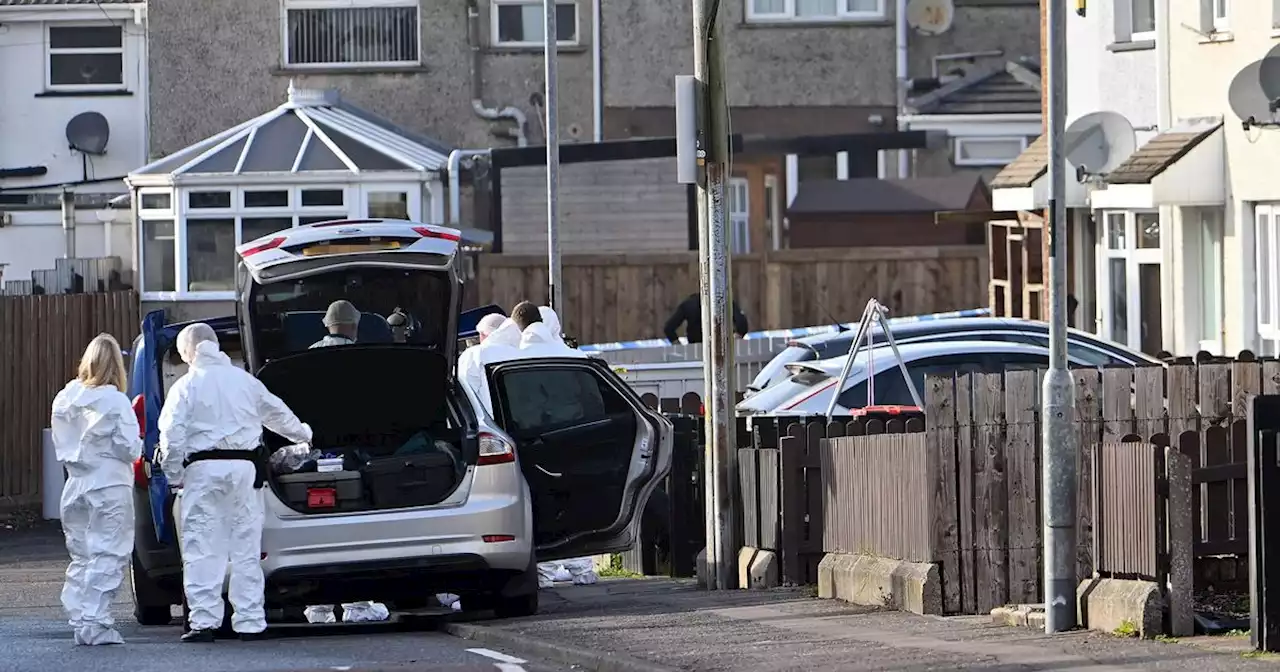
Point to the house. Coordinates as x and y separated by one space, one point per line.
470 74
1214 177
1117 251
73 112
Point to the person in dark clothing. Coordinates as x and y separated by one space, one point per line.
689 313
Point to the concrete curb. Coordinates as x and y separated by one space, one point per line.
590 660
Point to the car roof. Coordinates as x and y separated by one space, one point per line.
921 327
284 246
920 350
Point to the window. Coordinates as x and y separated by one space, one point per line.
814 10
994 151
162 200
315 198
1220 16
209 200
266 199
85 57
1266 222
211 258
1211 286
388 204
158 255
543 399
773 210
518 23
1142 20
816 168
738 206
1129 280
253 228
351 32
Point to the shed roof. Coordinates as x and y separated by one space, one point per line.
1026 169
1013 88
313 131
872 195
1163 151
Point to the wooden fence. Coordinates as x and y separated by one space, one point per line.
986 428
41 340
623 297
872 499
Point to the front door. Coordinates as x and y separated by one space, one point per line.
589 450
1129 280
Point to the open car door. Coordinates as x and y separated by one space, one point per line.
590 451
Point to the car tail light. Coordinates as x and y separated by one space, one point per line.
498 538
269 245
495 450
322 498
427 232
140 476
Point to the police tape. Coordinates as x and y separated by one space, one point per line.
799 332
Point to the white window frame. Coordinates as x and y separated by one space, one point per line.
49 52
1145 35
1221 15
1266 271
1134 258
354 199
288 5
493 24
960 141
739 220
788 14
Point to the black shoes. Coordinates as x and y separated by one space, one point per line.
252 636
198 637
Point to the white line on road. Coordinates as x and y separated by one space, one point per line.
505 663
498 656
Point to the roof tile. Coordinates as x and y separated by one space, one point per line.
1163 151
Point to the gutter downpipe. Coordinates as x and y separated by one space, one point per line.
597 78
477 95
1175 288
900 74
455 180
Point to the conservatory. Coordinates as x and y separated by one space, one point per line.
314 158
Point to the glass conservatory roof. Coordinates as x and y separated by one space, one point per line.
313 131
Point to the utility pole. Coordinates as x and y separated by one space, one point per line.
1058 412
549 46
716 292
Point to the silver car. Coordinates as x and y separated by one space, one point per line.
808 390
434 493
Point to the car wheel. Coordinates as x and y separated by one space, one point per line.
150 607
515 607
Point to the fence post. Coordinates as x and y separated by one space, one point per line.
1180 543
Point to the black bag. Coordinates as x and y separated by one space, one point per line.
409 480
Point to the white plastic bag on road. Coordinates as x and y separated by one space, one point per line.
449 600
322 613
582 571
364 612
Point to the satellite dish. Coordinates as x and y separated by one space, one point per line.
930 17
1098 142
88 133
1254 93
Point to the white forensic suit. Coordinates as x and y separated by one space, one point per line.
500 346
219 407
95 436
543 339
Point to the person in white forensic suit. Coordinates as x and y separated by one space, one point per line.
210 429
499 345
96 439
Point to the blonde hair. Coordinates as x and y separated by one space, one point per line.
102 363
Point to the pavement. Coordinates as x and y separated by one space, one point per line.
657 625
617 625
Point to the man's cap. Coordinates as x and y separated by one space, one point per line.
341 312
